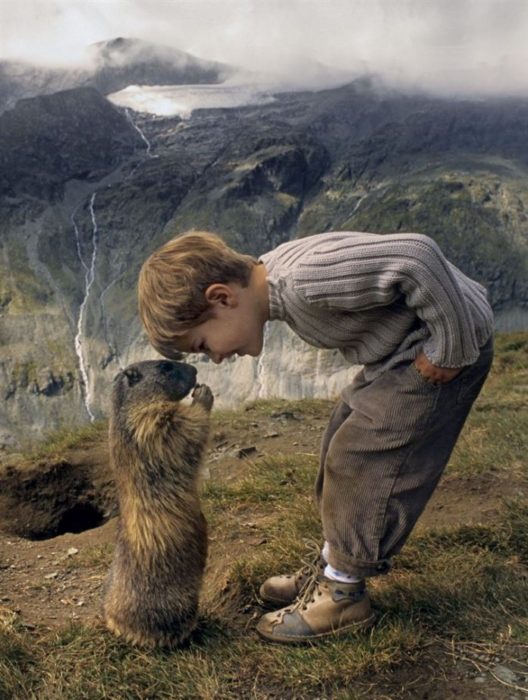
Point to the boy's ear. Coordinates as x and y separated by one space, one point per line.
220 294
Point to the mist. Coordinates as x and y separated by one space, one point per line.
474 47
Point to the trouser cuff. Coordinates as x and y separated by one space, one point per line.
357 567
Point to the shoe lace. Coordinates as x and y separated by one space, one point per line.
312 569
312 555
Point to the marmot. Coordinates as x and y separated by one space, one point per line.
156 447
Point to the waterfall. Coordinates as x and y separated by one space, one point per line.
89 277
141 133
358 203
262 389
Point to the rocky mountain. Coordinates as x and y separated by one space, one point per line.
51 139
109 67
88 190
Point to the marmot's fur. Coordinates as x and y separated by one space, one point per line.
156 447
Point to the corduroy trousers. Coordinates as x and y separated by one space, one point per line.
382 455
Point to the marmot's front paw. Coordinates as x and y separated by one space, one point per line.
203 396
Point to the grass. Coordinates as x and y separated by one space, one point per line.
455 593
58 441
496 435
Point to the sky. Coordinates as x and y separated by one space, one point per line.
468 46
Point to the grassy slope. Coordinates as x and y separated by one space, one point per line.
477 217
458 592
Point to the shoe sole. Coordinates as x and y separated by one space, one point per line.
355 626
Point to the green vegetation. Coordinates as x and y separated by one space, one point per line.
496 438
457 592
24 373
21 290
478 219
59 441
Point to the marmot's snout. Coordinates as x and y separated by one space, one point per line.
162 378
180 374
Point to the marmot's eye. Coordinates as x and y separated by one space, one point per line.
132 375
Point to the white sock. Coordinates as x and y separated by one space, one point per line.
325 551
334 574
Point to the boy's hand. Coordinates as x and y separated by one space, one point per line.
434 374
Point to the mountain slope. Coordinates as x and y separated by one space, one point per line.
47 140
110 66
84 201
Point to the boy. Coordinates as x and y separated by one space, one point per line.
393 303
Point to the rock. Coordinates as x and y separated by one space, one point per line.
505 674
28 626
7 440
286 415
71 551
243 452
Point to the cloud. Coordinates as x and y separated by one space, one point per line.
446 45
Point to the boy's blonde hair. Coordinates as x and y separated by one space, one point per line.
173 280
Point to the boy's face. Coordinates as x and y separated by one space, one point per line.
235 327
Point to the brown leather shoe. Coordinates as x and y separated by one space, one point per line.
325 609
284 589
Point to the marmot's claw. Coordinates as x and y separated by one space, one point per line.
203 395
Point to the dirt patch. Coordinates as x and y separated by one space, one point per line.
462 680
468 500
56 581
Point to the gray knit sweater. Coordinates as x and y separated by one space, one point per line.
379 299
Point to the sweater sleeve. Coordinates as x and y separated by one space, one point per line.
362 271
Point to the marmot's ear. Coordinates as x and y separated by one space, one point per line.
132 375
